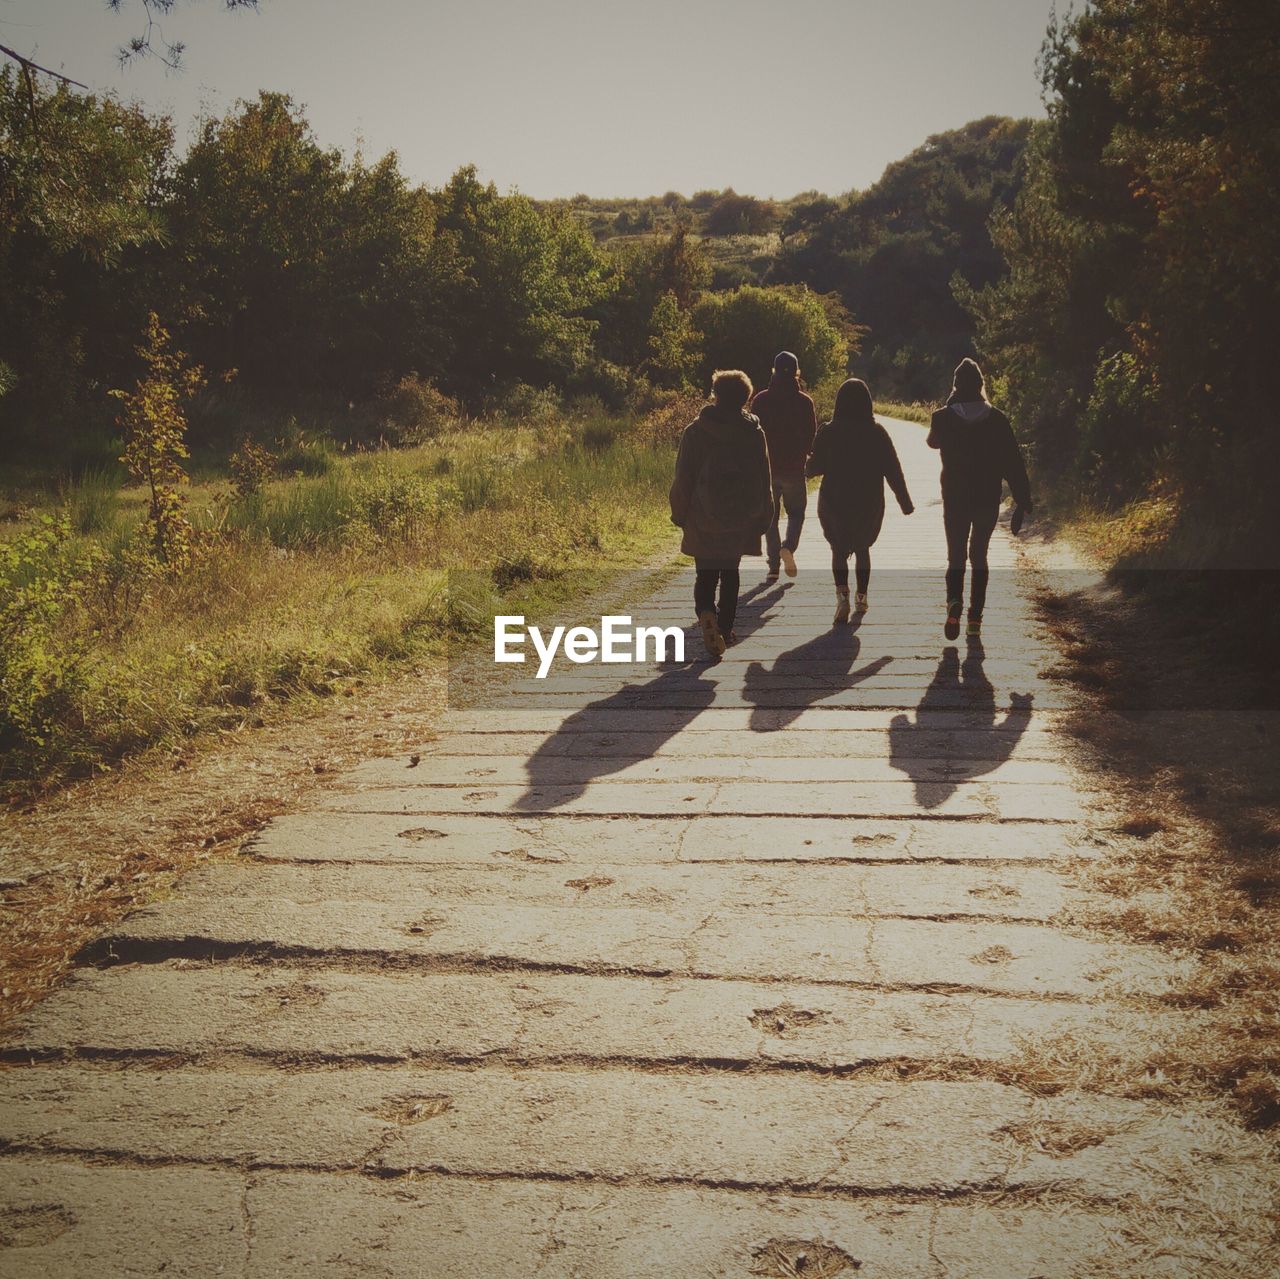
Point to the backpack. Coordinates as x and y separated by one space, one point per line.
726 481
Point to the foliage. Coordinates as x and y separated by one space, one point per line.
155 429
1133 328
43 577
748 327
251 467
81 185
891 252
413 411
734 214
527 278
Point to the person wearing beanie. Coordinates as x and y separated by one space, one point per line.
979 455
855 457
722 500
789 422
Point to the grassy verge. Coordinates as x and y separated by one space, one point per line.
317 582
913 412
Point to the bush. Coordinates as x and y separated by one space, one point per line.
413 411
748 327
251 467
1117 439
42 578
534 405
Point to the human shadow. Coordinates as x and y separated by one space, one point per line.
781 693
589 744
957 688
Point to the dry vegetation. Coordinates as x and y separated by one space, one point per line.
1183 733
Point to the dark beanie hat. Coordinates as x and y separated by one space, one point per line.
785 362
967 377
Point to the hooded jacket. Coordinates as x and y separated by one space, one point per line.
789 422
979 454
855 459
724 438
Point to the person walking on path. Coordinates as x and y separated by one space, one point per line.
855 457
789 422
979 454
722 499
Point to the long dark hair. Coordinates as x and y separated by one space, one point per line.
853 403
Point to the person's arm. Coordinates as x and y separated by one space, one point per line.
934 438
810 425
765 490
817 462
1015 470
892 468
682 484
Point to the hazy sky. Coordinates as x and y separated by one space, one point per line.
560 96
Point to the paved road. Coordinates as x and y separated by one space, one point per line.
708 970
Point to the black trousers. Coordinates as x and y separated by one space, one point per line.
862 570
969 532
707 578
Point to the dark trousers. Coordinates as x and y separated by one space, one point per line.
862 570
968 536
789 491
704 591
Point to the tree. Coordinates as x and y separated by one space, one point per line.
82 184
155 443
892 251
1133 327
749 326
527 279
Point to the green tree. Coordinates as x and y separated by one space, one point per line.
527 279
892 251
155 442
82 182
746 328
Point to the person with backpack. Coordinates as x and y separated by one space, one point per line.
722 500
789 422
979 455
855 457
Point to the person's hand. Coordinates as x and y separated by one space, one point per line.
908 508
1015 521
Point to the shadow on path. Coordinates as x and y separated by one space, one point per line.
682 692
777 703
977 705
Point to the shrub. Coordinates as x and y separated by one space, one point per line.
155 430
393 507
535 405
413 411
748 327
251 467
43 576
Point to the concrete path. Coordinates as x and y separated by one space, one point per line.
710 970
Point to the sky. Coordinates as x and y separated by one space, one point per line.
556 97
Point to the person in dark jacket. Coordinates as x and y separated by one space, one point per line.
979 455
855 457
789 422
722 499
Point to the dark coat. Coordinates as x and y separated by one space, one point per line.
978 457
855 460
719 435
789 422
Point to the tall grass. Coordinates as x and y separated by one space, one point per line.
319 579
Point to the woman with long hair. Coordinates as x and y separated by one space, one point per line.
979 455
855 457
